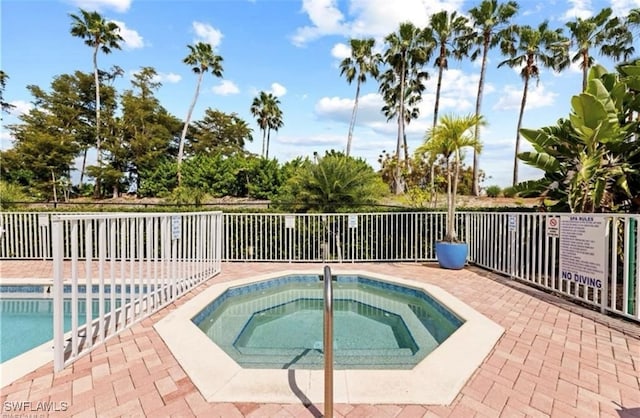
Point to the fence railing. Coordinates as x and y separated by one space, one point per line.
332 237
524 246
531 247
113 270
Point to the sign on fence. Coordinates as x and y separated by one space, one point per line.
353 221
553 226
289 221
583 249
176 227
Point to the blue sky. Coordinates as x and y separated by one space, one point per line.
291 48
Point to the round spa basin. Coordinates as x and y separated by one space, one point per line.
278 323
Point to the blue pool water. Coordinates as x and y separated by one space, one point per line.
26 323
278 323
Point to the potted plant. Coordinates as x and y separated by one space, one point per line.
448 138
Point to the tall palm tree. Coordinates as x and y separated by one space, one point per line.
100 35
448 138
402 83
202 59
265 107
490 21
529 48
362 62
448 31
611 34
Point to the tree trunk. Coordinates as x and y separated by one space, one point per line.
585 68
266 155
398 183
438 87
96 190
55 194
84 164
264 140
353 118
475 189
186 126
517 148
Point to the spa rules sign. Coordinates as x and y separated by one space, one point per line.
583 253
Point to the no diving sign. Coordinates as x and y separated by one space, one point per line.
553 226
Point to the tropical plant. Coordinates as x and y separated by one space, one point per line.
402 83
335 182
449 137
493 191
11 195
265 107
202 59
101 35
591 159
362 63
491 24
608 33
529 49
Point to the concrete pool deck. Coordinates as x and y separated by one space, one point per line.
554 359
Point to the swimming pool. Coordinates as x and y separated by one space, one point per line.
27 322
279 323
436 379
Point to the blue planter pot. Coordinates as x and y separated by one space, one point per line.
452 255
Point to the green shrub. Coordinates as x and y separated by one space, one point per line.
493 191
10 194
508 192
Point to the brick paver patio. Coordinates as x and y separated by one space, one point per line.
554 359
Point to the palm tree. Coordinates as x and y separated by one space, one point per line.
448 31
491 23
202 59
407 51
362 62
609 33
101 35
448 138
532 47
265 108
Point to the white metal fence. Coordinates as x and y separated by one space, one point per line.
520 245
114 270
528 247
337 237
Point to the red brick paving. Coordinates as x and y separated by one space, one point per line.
554 359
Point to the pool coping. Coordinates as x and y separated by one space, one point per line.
436 380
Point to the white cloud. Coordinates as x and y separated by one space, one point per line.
537 97
207 33
340 51
225 88
622 7
6 139
20 107
278 89
375 18
325 18
117 5
132 39
580 9
168 78
339 109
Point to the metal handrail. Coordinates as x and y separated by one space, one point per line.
328 343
